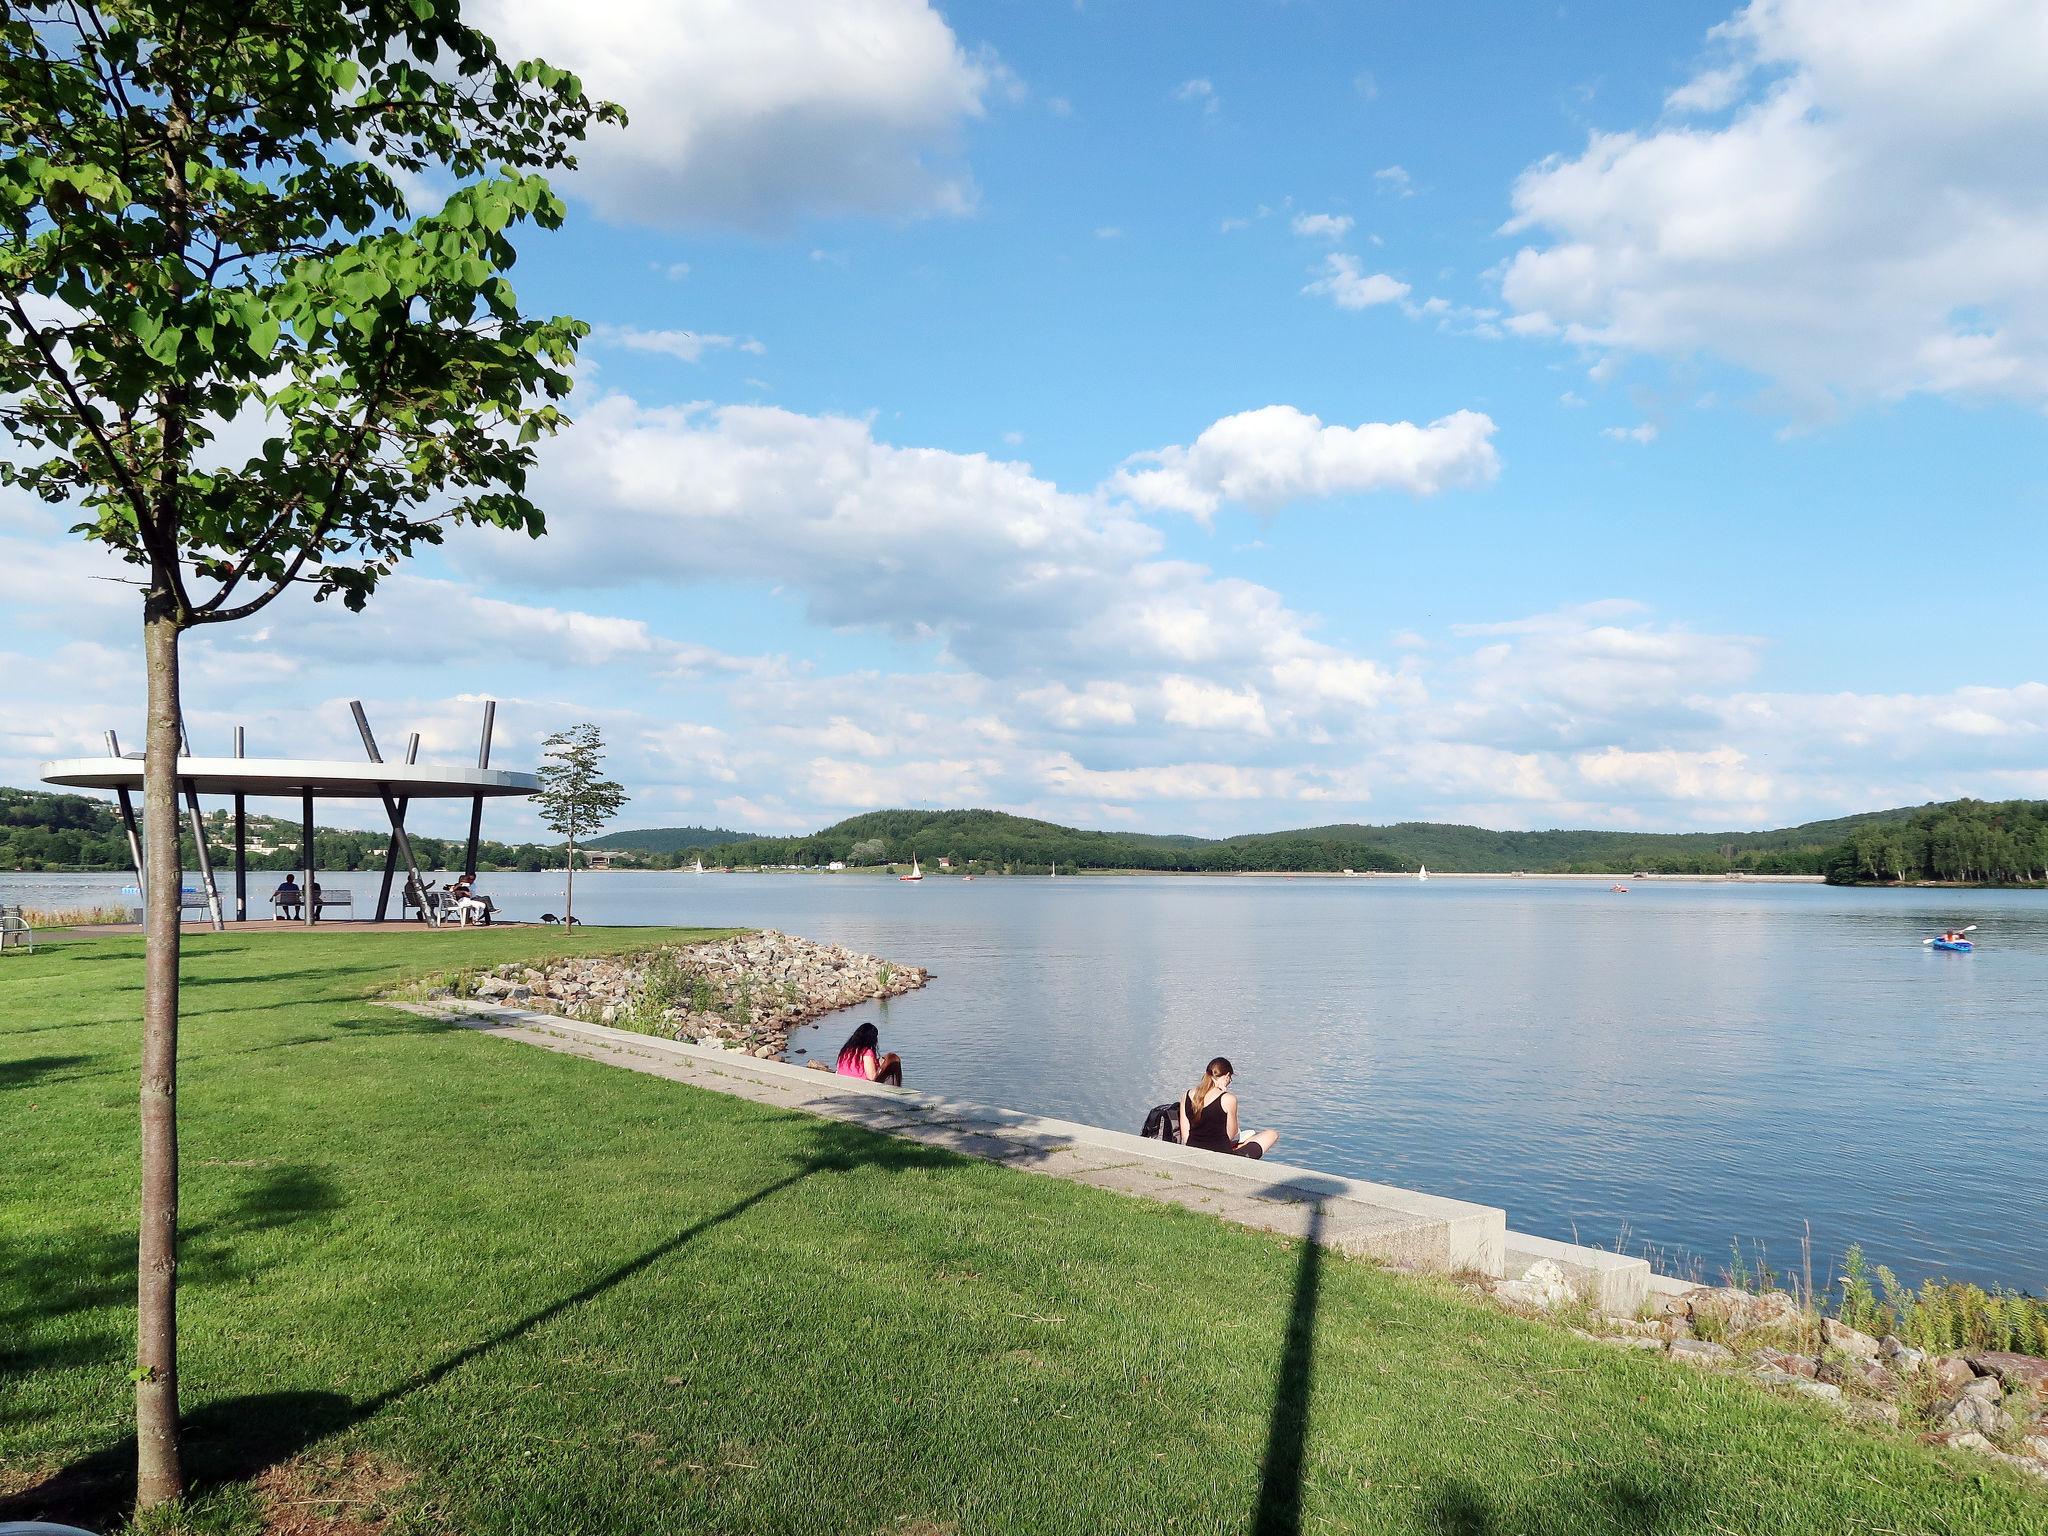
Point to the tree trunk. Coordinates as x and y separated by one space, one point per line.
159 1473
569 896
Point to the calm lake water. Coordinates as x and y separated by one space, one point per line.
1680 1067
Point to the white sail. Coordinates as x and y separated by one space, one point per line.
1422 873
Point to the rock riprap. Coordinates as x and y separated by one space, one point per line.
1994 1403
743 993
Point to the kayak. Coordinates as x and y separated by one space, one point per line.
1960 946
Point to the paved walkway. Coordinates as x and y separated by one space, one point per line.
1396 1226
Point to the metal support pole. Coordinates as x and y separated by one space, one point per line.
241 846
476 809
412 755
412 869
128 820
363 725
391 866
205 858
306 858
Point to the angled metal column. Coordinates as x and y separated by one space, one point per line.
476 809
241 846
394 809
412 755
405 852
205 858
128 819
199 839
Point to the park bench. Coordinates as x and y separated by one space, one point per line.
329 901
15 932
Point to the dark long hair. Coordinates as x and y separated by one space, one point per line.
866 1038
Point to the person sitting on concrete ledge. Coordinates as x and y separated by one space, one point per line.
288 898
1208 1116
859 1058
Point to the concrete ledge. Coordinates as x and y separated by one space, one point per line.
1353 1216
1613 1283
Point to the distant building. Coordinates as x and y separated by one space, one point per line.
599 858
837 864
945 863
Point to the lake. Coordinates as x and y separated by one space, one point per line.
1675 1069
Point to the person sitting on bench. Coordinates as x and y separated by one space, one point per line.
468 906
288 898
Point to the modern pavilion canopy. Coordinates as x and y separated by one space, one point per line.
396 785
294 778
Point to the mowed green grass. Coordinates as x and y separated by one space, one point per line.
564 1297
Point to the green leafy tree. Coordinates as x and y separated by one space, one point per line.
574 800
203 242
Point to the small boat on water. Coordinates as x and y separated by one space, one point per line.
915 872
1621 888
1422 872
1958 946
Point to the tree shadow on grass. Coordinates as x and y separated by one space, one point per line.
329 1034
28 1071
235 1439
1662 1504
1278 1510
94 1272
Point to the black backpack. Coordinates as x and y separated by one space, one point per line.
1162 1122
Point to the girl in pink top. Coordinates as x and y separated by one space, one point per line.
861 1057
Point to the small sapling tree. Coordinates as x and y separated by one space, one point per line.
573 800
201 227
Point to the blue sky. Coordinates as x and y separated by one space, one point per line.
1230 416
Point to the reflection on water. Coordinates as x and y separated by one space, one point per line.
1684 1064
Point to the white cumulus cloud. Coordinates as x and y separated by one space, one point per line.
755 115
1349 286
1870 220
1277 453
1323 226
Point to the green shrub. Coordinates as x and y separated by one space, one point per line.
1942 1315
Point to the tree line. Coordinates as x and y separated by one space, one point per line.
1973 842
77 833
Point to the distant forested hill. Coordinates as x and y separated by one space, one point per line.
1963 840
994 840
667 839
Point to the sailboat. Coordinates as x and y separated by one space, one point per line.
698 867
915 872
1422 873
1055 869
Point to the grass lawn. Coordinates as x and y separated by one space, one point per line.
479 1287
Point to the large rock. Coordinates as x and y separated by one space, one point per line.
1788 1363
1839 1335
1952 1373
1977 1414
1700 1352
1542 1285
2022 1374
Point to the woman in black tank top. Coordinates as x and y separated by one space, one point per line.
1208 1116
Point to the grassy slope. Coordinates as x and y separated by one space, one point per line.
547 1286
